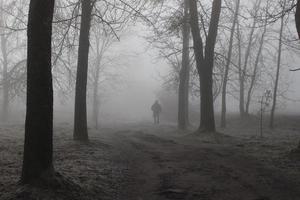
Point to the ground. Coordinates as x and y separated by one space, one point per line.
147 162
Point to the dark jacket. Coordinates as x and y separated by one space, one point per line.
156 108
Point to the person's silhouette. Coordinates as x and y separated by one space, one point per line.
156 109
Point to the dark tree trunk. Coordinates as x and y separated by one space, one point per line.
80 118
224 89
38 146
297 17
205 63
183 94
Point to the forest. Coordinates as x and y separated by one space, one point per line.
149 100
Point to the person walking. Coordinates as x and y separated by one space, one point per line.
156 109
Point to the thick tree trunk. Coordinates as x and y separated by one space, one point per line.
224 89
183 94
271 125
38 146
80 118
205 64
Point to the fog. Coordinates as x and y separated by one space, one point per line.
144 100
142 79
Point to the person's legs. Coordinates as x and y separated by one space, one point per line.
154 118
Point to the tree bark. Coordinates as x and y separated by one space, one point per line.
37 160
183 93
80 117
224 88
205 63
271 125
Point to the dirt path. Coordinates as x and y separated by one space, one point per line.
182 168
146 162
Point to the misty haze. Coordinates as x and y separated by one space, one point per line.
149 100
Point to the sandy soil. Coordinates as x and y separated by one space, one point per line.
147 162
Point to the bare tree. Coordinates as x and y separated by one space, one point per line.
103 40
228 62
80 116
205 62
243 70
38 148
113 14
254 75
12 60
278 68
184 75
5 78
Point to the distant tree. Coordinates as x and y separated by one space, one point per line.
38 148
205 62
114 15
228 62
258 56
105 72
278 67
11 59
5 79
244 67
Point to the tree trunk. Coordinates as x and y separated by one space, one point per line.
247 55
5 79
241 83
271 125
38 148
96 96
80 118
183 94
297 17
224 89
254 75
205 64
